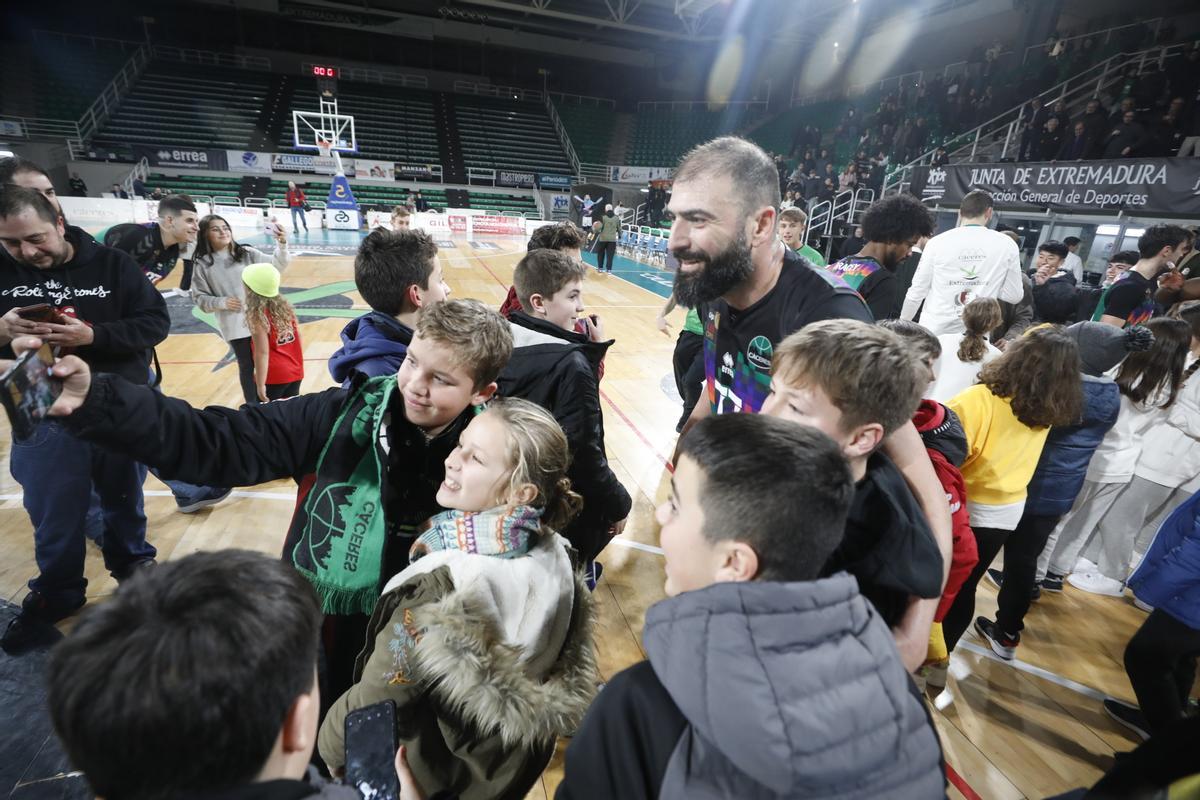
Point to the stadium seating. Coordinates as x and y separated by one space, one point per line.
59 79
659 138
197 184
590 129
390 124
365 192
508 134
520 204
189 106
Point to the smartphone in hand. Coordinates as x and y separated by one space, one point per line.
42 312
371 745
27 390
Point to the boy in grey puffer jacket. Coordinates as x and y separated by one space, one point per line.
762 680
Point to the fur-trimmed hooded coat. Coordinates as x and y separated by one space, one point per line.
488 661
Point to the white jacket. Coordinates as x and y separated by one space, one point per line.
1117 456
1171 445
958 266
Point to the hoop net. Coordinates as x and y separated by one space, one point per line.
325 149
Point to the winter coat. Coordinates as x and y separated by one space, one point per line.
557 369
488 661
1171 445
1068 450
374 344
311 787
946 445
759 690
1169 576
104 288
218 277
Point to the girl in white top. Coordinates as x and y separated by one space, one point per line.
964 354
218 289
1149 382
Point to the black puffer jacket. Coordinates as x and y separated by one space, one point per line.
557 369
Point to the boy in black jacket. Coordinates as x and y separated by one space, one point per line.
110 316
556 367
858 383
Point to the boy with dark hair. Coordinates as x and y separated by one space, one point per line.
237 633
373 453
563 237
858 383
557 367
776 641
891 226
1135 298
155 246
397 273
1055 298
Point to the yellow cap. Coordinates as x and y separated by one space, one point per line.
262 279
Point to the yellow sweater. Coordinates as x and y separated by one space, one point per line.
1002 452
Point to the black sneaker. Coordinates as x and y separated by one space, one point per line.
996 577
1002 644
1052 582
1129 716
134 569
33 627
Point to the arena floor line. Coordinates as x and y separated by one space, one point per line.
1008 731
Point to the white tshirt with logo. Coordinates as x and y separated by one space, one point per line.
958 266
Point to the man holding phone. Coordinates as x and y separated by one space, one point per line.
103 309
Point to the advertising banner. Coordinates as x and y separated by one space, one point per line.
1137 186
523 180
342 219
555 181
242 217
340 194
413 171
248 161
560 204
620 174
487 225
382 171
322 165
180 157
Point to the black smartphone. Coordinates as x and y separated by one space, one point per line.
371 745
27 390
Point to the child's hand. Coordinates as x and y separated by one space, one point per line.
233 304
409 788
663 325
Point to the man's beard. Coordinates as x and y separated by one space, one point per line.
718 275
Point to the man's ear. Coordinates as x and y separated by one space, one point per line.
481 396
413 296
764 226
737 562
864 440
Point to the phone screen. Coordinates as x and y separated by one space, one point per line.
371 752
27 390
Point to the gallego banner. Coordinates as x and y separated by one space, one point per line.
181 157
1160 186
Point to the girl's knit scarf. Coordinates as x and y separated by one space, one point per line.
500 532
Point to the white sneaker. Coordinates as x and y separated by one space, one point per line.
1143 605
1096 583
1085 565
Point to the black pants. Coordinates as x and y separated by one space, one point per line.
282 391
1021 551
605 250
245 362
185 283
962 612
688 361
1160 660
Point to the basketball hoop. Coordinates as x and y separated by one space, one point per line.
325 149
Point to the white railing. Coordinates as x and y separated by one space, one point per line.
364 75
257 202
226 200
568 99
595 172
477 174
563 138
999 137
1107 32
699 105
490 90
541 207
140 171
211 58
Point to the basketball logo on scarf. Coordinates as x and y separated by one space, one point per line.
332 516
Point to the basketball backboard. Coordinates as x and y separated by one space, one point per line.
311 130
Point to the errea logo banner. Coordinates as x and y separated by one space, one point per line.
182 157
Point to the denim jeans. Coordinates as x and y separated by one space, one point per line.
298 213
58 471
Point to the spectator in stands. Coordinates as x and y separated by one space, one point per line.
401 218
825 164
940 158
78 187
119 192
139 187
420 203
192 619
1033 119
1059 111
156 194
961 264
1095 123
1118 116
813 185
1050 141
1078 147
744 545
1073 263
297 201
397 273
557 367
792 223
103 306
852 243
891 227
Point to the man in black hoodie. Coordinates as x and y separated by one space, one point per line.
556 367
111 316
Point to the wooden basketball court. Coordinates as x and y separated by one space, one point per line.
1028 729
